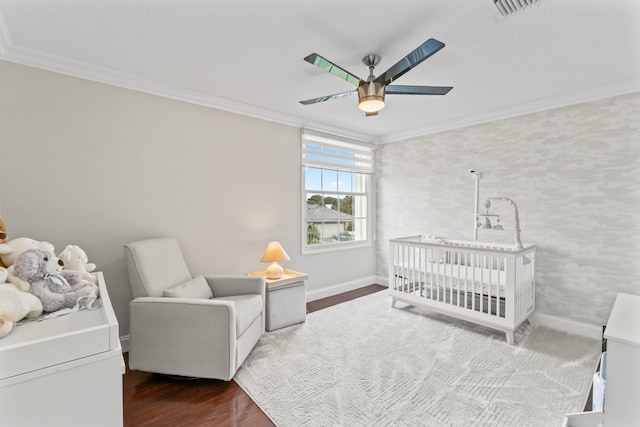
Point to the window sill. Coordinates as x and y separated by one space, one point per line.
310 250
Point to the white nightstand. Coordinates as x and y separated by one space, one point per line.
286 302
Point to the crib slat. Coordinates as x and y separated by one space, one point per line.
466 281
405 270
473 281
430 257
490 274
458 279
499 267
412 267
481 280
438 275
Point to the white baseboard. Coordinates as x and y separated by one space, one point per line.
340 288
566 325
382 280
124 343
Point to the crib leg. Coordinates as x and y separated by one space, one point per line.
510 339
393 302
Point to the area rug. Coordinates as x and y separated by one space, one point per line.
363 363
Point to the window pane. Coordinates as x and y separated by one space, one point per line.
359 206
347 235
329 180
312 179
359 183
345 182
315 199
317 212
345 205
314 236
359 229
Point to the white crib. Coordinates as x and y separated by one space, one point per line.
485 283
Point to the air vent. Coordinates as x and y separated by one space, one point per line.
508 7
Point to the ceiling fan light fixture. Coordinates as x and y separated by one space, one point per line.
371 97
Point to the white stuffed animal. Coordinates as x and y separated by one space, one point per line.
15 305
75 258
11 250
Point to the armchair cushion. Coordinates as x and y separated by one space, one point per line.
155 265
248 308
193 288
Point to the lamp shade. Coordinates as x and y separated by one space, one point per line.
274 253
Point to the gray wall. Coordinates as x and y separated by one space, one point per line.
574 173
98 166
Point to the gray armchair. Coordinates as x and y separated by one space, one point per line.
189 326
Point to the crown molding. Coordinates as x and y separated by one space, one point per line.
594 93
60 65
57 64
37 59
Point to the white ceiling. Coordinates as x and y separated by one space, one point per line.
247 56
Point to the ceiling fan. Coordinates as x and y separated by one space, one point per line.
372 91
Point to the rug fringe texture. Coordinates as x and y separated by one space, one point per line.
363 363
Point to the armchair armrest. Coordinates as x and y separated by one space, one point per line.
224 286
163 328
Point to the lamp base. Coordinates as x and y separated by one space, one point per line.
275 271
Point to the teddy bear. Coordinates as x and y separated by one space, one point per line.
42 270
75 258
3 238
15 305
12 249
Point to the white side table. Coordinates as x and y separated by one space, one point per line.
286 302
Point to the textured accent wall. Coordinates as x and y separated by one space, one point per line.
574 173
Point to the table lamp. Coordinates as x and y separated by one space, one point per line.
273 254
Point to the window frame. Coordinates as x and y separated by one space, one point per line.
363 168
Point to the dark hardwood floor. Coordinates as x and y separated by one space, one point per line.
158 400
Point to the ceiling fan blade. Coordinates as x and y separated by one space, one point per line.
418 55
328 97
332 68
417 90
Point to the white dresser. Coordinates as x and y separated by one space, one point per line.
622 396
64 371
622 392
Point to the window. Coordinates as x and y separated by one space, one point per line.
337 199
